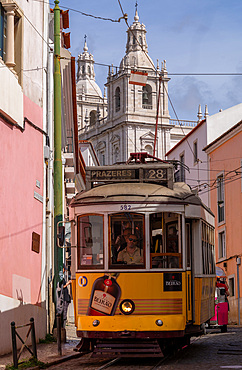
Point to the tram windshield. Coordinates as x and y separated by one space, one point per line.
127 239
90 241
165 241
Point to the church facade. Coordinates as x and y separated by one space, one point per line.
132 117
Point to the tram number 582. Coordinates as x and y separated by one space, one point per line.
125 207
155 174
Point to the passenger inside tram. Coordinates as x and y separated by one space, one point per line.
131 254
127 235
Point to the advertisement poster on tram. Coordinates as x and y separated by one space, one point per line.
105 296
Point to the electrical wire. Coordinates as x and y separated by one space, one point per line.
47 43
215 187
225 179
80 12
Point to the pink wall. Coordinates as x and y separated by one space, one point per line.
21 165
227 158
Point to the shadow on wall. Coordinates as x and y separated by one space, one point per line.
21 316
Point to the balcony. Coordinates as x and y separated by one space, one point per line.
184 123
147 106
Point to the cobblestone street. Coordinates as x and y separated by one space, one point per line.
212 351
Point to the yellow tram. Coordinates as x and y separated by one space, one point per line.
144 264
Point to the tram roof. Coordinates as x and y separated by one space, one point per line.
137 192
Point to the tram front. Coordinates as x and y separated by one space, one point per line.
137 270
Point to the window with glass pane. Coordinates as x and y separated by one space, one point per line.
220 198
90 241
231 286
165 240
127 240
195 151
208 256
182 169
221 245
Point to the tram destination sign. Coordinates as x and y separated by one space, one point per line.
147 174
110 175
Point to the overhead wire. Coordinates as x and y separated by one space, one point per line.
215 187
224 180
80 12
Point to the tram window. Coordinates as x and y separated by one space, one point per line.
188 243
208 259
165 245
90 241
126 240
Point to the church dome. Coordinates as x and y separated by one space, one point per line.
136 47
85 75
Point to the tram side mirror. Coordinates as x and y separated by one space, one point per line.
61 236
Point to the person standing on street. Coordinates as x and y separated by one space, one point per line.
66 295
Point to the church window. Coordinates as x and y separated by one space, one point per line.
116 154
93 117
102 159
147 97
117 99
134 40
83 69
140 40
149 149
89 70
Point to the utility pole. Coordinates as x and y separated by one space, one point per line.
58 207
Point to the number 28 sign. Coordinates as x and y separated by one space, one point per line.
156 174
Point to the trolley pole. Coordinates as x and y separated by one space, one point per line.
58 254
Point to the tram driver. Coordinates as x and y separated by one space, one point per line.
131 254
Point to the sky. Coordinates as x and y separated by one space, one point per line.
193 37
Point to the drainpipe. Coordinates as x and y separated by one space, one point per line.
238 262
58 253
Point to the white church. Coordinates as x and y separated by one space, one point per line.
124 121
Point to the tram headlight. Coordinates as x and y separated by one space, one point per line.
159 322
127 306
96 323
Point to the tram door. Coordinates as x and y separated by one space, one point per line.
189 274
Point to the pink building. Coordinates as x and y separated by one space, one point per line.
225 168
211 150
23 57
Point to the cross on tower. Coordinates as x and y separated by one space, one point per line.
136 5
85 38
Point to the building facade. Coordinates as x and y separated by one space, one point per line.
189 150
212 152
129 122
225 168
23 133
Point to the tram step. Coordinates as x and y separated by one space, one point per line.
127 349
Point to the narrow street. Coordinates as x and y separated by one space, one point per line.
214 350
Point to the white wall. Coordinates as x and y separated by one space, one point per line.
198 176
221 122
12 101
14 310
